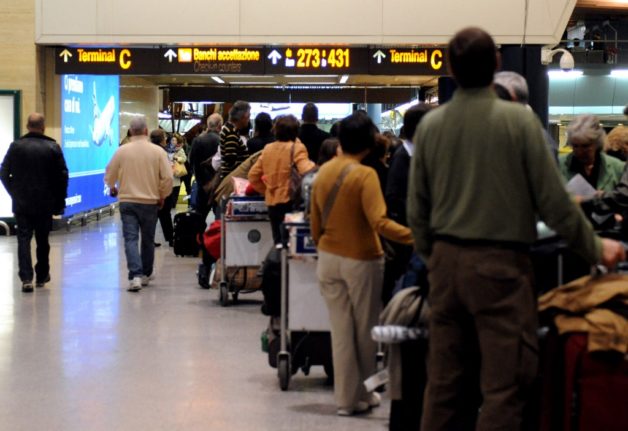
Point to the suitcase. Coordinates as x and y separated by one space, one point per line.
187 227
596 388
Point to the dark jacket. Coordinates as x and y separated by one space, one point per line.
397 185
203 147
35 175
312 137
258 143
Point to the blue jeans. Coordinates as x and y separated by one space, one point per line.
138 218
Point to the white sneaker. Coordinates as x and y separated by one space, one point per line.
360 407
146 279
135 284
374 399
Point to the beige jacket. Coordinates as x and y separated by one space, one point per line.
142 171
582 300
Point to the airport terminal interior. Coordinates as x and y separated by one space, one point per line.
83 353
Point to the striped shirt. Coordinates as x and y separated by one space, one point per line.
232 150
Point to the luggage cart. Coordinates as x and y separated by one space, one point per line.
304 320
245 239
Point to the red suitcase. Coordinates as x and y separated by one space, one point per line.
596 388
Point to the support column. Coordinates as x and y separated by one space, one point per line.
526 61
375 112
446 88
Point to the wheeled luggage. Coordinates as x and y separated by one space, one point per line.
187 227
245 238
304 327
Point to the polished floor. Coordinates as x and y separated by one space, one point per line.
85 354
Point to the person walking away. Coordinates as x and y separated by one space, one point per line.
158 137
35 175
350 259
480 176
232 150
140 175
309 133
205 147
270 175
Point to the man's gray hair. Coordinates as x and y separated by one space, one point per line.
138 126
586 128
515 84
214 122
239 110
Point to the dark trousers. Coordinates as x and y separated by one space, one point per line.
165 219
484 296
276 214
41 224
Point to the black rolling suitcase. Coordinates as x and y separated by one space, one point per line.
187 227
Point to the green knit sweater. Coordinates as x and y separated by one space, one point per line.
481 171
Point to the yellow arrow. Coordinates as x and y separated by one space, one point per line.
65 54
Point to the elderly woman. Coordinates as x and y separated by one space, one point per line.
350 259
270 175
587 138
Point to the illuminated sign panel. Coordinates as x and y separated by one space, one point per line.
212 60
312 60
407 61
106 61
285 60
89 137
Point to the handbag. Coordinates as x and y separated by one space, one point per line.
178 169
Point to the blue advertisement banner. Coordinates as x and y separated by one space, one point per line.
89 137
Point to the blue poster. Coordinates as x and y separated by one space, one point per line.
89 137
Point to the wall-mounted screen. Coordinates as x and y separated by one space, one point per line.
89 137
9 131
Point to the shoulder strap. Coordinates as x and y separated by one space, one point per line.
292 153
331 197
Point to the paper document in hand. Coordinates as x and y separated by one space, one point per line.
580 187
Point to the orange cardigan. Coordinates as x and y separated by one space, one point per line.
270 175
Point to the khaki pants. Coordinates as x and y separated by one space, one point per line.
352 290
479 295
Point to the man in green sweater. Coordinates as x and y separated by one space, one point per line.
479 177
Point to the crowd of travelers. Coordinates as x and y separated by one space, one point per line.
456 197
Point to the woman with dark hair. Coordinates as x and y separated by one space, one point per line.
263 133
330 148
350 259
270 175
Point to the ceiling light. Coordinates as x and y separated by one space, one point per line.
619 73
252 82
310 76
561 74
218 79
344 79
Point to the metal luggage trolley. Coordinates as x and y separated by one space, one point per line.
245 238
304 316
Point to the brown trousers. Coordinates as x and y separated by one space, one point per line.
352 291
483 326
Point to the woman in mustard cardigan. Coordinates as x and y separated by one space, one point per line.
350 260
270 175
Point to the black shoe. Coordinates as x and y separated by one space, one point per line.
27 286
39 283
157 244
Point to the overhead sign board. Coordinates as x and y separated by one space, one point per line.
252 60
407 61
211 60
312 60
106 61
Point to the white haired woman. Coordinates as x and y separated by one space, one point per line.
586 137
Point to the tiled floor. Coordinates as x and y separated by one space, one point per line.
85 354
